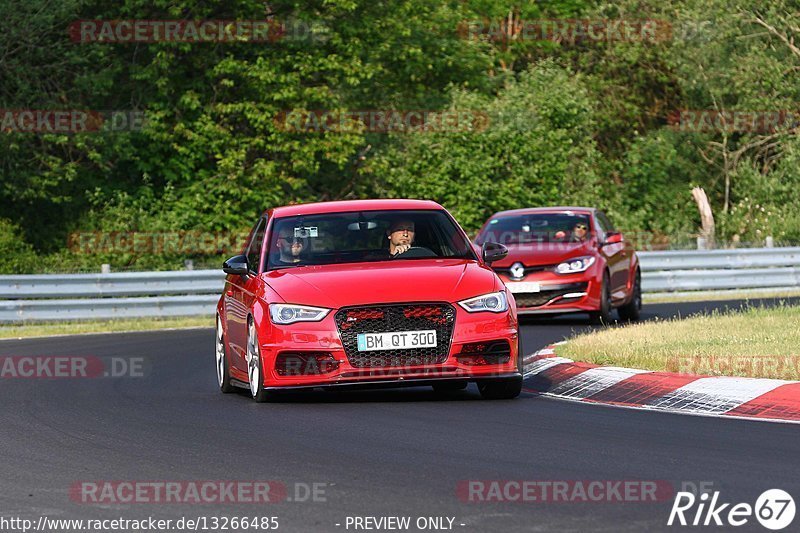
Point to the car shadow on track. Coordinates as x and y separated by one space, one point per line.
386 395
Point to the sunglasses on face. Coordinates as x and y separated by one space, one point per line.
581 226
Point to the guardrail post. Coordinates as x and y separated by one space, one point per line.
105 268
770 243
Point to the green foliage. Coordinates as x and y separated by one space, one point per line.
765 204
657 172
16 255
570 123
535 150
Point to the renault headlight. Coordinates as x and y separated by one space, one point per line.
576 264
289 313
494 302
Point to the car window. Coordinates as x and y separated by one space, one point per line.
604 223
532 228
363 236
256 243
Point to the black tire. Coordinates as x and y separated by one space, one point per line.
257 391
631 311
449 386
603 315
221 359
500 389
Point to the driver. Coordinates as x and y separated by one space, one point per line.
579 232
401 236
290 247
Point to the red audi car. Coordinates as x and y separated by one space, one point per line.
367 292
566 260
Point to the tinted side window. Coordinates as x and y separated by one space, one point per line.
603 223
607 222
254 249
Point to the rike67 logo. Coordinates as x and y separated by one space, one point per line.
774 510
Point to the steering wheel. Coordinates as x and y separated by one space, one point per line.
416 251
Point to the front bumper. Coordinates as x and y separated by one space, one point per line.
573 293
324 337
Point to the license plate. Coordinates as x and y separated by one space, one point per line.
523 286
398 340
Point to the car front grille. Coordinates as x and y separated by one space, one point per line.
350 321
528 270
537 299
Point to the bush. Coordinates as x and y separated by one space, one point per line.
536 150
655 194
16 255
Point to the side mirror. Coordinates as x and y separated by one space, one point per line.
492 251
236 265
613 238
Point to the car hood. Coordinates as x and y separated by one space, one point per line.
342 285
535 254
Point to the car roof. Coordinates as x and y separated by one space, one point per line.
558 209
352 205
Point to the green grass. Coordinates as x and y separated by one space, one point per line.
757 342
105 326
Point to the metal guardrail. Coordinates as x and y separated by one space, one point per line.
109 296
719 259
14 311
195 292
695 270
718 279
115 284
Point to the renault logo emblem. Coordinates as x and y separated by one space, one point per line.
517 270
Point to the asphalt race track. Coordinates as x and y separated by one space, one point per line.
378 453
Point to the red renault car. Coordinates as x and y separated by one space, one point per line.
566 260
366 292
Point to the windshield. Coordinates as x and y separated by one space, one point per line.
539 227
365 236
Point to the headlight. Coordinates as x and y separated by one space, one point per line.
289 314
495 302
577 264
